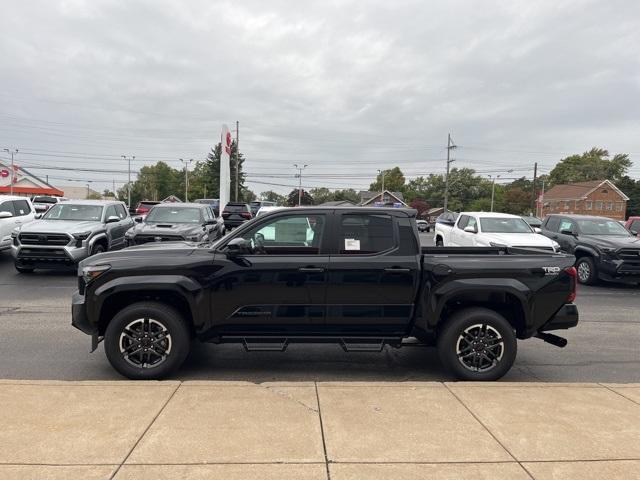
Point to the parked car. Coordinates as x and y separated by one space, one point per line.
212 202
488 229
534 222
144 206
633 225
256 205
235 214
603 248
447 219
423 225
172 222
43 203
68 232
14 212
354 276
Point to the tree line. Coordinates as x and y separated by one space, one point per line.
468 190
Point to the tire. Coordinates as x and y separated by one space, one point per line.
439 242
157 319
480 364
97 248
21 269
587 273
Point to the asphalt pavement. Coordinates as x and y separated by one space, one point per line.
38 342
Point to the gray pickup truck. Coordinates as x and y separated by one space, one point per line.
70 232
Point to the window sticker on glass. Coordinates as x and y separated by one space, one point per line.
351 244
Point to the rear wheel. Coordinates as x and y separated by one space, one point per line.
477 344
586 268
439 242
147 341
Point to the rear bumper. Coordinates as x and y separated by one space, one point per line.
234 223
79 317
566 317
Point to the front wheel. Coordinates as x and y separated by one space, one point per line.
477 344
586 271
147 341
439 242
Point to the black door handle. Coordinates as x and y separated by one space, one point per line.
397 270
311 269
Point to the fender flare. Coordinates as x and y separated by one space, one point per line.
586 249
100 235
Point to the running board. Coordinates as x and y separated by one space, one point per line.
348 344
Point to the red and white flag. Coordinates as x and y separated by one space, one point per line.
225 172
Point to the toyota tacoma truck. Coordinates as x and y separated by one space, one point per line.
354 276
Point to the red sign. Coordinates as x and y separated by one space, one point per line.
228 143
4 173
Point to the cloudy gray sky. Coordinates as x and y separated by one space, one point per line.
344 86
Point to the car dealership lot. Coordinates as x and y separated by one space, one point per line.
38 342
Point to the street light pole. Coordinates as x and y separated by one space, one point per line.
300 181
450 146
129 158
186 178
13 170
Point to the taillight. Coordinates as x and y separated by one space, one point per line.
225 214
246 215
573 278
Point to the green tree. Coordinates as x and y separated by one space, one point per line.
631 188
595 164
347 194
292 198
94 196
321 195
393 181
271 196
421 206
155 182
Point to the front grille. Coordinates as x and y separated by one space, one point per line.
55 255
629 253
56 239
142 239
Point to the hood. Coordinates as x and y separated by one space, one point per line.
151 250
167 228
518 239
60 226
610 241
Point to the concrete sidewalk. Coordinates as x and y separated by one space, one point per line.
307 430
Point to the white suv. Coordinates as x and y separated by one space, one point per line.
14 212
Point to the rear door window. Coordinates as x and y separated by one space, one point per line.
111 212
365 234
464 219
552 224
122 213
566 224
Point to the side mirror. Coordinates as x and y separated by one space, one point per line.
537 229
236 246
567 231
470 229
137 219
634 232
210 222
6 214
38 216
113 219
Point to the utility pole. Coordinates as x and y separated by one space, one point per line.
300 182
533 187
450 146
114 188
237 157
186 177
13 170
493 188
88 191
129 158
383 173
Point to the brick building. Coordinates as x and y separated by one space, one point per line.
599 197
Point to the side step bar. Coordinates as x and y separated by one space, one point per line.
348 344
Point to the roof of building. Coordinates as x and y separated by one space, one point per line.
77 193
366 195
579 190
24 182
337 203
434 210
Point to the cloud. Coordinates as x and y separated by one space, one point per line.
348 87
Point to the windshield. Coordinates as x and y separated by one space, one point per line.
504 225
70 211
45 200
602 227
174 215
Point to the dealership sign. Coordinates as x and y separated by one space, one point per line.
4 173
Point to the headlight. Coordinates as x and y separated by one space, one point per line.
128 234
556 246
193 238
15 232
607 251
81 236
499 245
92 272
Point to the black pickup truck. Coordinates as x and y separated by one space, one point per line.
354 276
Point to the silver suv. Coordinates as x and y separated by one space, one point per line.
69 232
